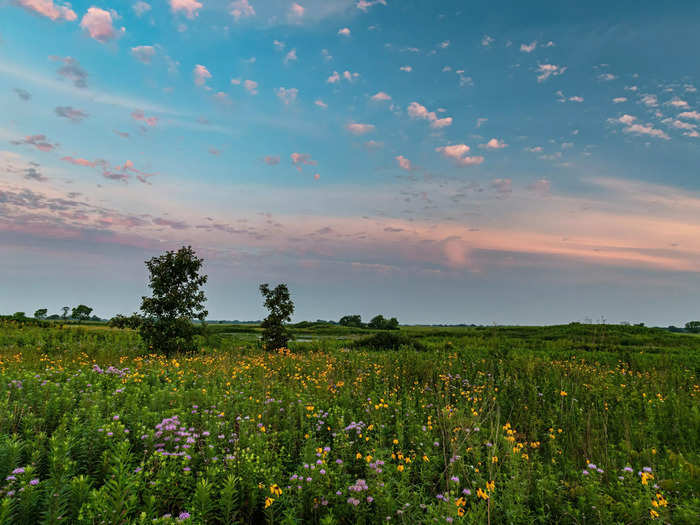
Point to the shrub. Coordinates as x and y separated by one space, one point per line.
387 341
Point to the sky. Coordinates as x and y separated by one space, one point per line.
441 162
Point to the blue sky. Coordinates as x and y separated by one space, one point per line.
438 161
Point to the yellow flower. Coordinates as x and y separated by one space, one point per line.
481 494
358 456
275 490
268 502
563 394
490 485
400 468
396 441
494 459
460 511
426 458
653 514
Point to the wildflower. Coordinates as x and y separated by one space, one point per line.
653 514
454 479
275 490
400 468
269 501
34 482
563 394
426 458
467 492
490 485
494 459
481 494
183 516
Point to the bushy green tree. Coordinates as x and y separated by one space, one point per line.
175 280
693 327
380 323
40 313
81 312
122 321
354 321
65 309
279 304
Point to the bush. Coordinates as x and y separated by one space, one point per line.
387 341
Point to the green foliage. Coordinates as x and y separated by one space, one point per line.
279 304
65 310
121 321
379 323
93 431
354 321
388 341
177 300
40 313
693 327
81 313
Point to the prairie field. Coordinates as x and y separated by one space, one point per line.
565 424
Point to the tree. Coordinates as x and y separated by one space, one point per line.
380 323
19 315
177 300
65 312
354 321
40 313
693 327
279 304
81 313
122 321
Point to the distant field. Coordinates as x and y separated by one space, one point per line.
564 424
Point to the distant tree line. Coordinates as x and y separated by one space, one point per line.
378 322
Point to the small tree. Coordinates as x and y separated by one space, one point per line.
354 321
279 303
40 313
81 313
177 300
693 327
65 309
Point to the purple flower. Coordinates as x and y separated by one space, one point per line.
467 492
19 470
370 499
116 418
646 469
339 461
322 471
34 482
454 479
183 516
585 473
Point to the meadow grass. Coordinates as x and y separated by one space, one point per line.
567 424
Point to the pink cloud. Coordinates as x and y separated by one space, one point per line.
344 31
547 70
48 9
143 53
406 69
381 97
459 154
404 163
251 86
79 162
272 160
359 129
291 56
40 142
98 23
494 144
689 115
334 78
140 116
191 7
528 48
364 5
287 95
296 10
415 110
321 104
619 100
241 9
302 159
201 75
